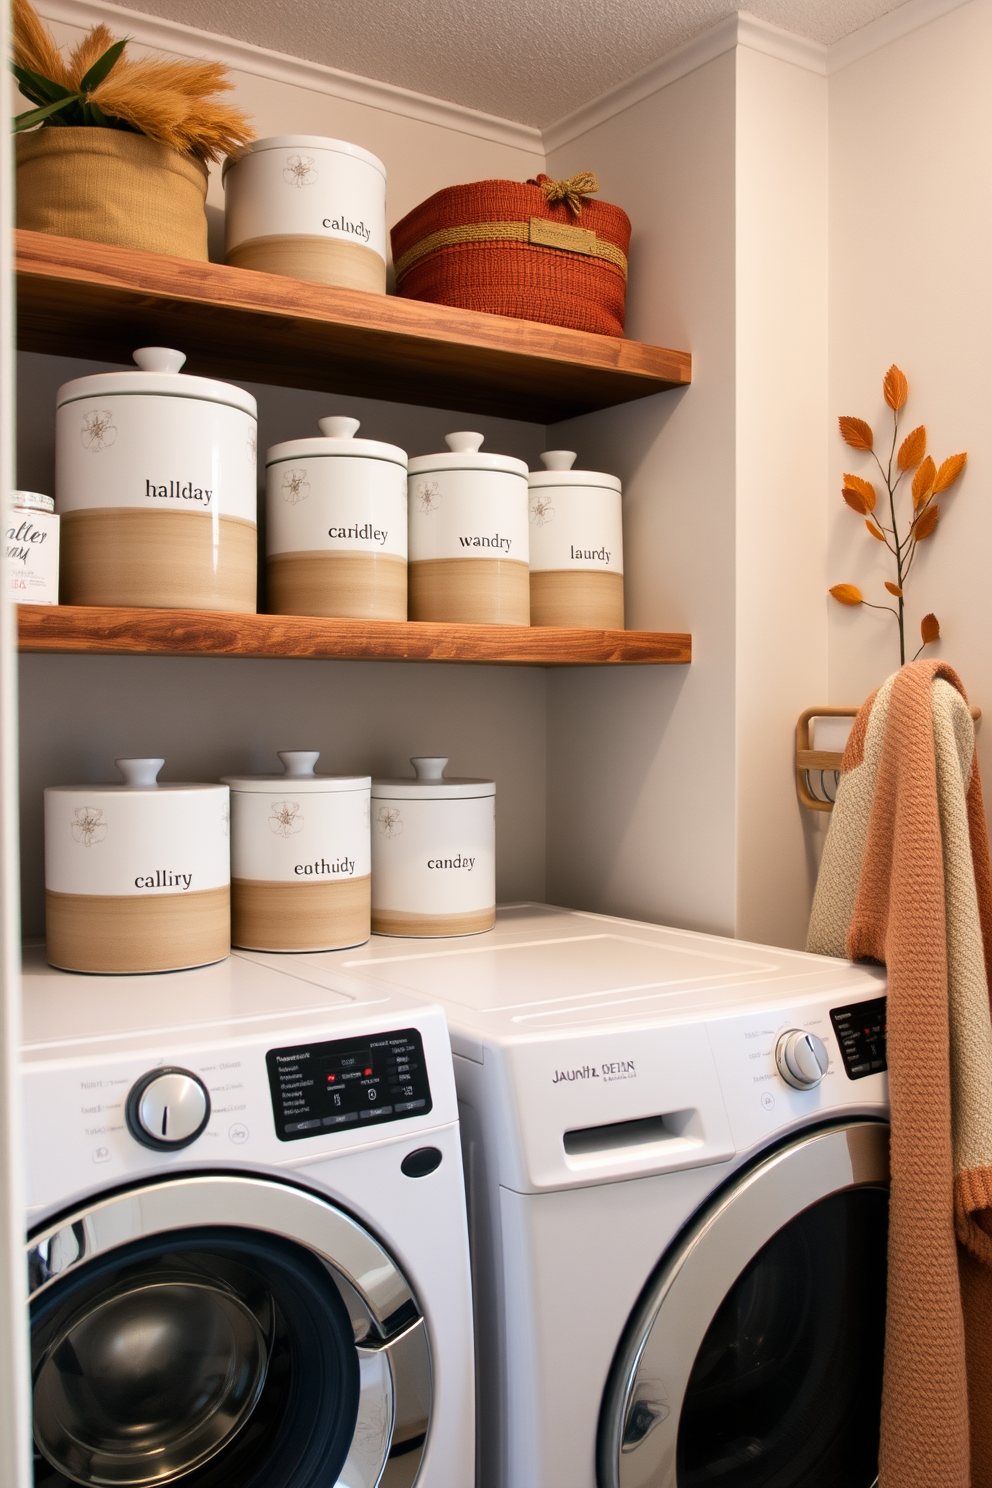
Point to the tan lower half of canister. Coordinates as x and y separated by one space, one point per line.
120 933
470 591
582 597
121 555
393 922
270 916
323 260
348 586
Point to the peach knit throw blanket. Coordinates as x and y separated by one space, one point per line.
906 881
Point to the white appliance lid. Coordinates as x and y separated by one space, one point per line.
543 969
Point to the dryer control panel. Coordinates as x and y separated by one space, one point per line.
345 1083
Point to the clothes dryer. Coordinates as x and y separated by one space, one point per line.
676 1155
248 1253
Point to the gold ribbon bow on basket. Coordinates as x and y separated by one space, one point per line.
570 191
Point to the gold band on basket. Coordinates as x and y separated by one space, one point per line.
537 230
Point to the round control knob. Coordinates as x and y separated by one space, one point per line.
802 1058
168 1109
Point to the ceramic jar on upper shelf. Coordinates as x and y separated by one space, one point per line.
155 486
468 536
137 876
299 858
576 545
433 854
308 207
336 525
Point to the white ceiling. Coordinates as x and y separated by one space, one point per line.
533 61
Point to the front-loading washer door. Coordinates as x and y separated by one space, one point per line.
223 1332
754 1356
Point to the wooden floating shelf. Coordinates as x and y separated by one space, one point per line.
122 632
76 298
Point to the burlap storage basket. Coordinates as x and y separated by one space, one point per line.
112 187
499 246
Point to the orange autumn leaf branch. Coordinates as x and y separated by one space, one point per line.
929 481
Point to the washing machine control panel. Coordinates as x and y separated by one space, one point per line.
348 1083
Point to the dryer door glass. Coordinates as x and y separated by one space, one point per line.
753 1359
787 1383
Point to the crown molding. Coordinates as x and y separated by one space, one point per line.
242 56
888 28
740 29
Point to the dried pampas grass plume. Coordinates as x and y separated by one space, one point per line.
171 101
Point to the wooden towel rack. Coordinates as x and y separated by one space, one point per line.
823 760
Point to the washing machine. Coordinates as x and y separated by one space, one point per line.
676 1156
248 1252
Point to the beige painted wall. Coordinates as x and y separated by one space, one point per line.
688 807
910 282
781 349
641 760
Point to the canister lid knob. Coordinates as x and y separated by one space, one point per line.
140 772
159 359
464 444
299 761
558 459
429 766
337 427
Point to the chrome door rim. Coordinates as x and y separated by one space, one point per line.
394 1361
652 1368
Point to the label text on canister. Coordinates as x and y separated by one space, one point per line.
459 862
589 555
164 878
322 868
357 229
502 544
178 490
20 540
365 533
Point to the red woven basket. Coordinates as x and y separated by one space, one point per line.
504 247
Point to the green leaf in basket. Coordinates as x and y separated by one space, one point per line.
33 85
39 115
96 74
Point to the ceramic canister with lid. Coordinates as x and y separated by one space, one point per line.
31 541
468 536
336 525
299 858
308 207
433 853
576 545
155 485
137 876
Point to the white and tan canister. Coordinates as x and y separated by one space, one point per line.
576 545
336 525
468 536
433 853
299 858
309 207
155 486
137 876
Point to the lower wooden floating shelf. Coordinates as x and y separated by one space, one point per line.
121 632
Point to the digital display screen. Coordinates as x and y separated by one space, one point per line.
347 1084
860 1031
